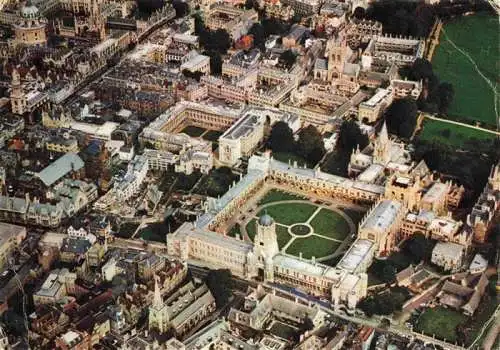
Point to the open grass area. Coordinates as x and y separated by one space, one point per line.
212 135
440 321
312 246
193 131
290 213
330 224
275 195
453 135
478 36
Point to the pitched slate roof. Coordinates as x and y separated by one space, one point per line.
61 167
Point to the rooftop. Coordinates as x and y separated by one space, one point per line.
382 216
61 167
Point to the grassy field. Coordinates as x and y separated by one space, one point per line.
289 214
453 135
283 235
478 36
275 195
312 246
440 321
251 228
330 224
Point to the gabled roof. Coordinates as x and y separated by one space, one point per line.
61 167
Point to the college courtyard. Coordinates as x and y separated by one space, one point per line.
307 228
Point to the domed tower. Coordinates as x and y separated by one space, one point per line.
30 30
266 246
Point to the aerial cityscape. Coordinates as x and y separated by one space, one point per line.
249 174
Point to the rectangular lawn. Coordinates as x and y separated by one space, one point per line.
453 135
193 131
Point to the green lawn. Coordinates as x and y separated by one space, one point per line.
453 135
193 131
156 231
330 224
312 246
478 36
440 321
212 135
283 236
291 213
275 195
126 230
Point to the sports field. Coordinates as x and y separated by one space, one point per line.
453 135
304 227
478 36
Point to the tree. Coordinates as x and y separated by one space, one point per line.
383 270
281 138
215 62
181 8
259 35
150 6
288 59
350 136
401 117
445 93
418 248
310 144
219 282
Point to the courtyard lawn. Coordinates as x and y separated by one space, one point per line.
251 228
452 135
330 224
156 231
312 246
283 235
193 131
212 135
440 321
478 36
290 213
275 195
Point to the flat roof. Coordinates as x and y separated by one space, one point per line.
355 255
382 216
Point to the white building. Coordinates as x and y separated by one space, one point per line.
448 255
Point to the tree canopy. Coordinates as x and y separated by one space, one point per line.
281 138
215 62
181 8
219 282
384 303
401 117
288 59
418 248
350 136
310 144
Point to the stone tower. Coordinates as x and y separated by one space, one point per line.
494 179
17 96
382 147
266 245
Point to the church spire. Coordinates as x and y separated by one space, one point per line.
384 135
157 300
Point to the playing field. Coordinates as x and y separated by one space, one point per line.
478 36
303 227
453 135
